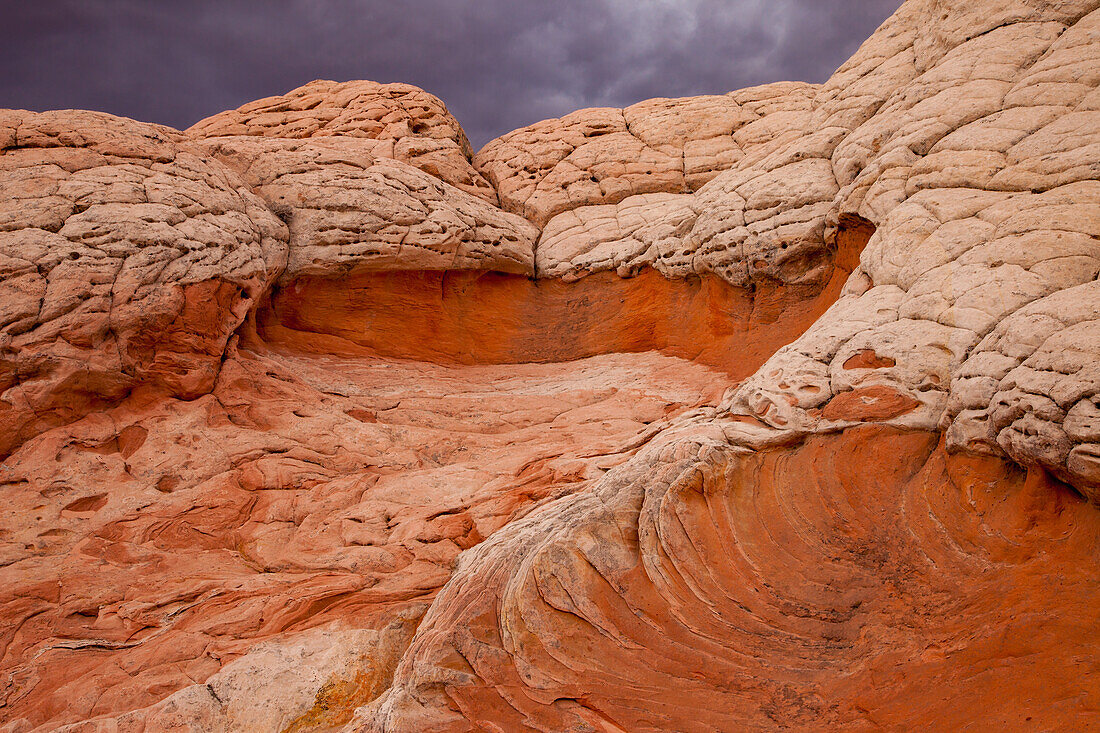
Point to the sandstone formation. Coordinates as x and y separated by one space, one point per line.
601 156
397 121
771 410
304 491
963 248
126 260
349 211
817 587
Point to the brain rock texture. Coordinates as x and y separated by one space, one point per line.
772 410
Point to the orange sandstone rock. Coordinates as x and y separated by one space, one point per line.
770 410
862 581
144 547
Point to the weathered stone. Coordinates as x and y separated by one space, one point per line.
125 261
748 411
397 121
349 211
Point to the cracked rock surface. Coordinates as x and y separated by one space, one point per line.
349 210
126 261
397 121
778 409
975 171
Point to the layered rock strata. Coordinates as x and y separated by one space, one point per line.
861 581
775 409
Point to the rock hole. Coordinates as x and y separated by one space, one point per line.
87 504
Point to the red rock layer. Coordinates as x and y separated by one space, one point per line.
144 547
860 581
322 482
493 318
490 318
234 537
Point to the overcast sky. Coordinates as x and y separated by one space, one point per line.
498 64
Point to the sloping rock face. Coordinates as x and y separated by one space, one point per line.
864 581
770 410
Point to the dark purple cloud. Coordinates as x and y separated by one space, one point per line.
498 64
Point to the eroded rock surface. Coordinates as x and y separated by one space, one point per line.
350 211
775 409
396 121
834 585
168 537
125 260
961 248
603 155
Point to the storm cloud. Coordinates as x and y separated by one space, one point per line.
498 64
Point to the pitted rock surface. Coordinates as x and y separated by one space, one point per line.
170 537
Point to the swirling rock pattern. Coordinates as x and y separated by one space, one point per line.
817 587
760 411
